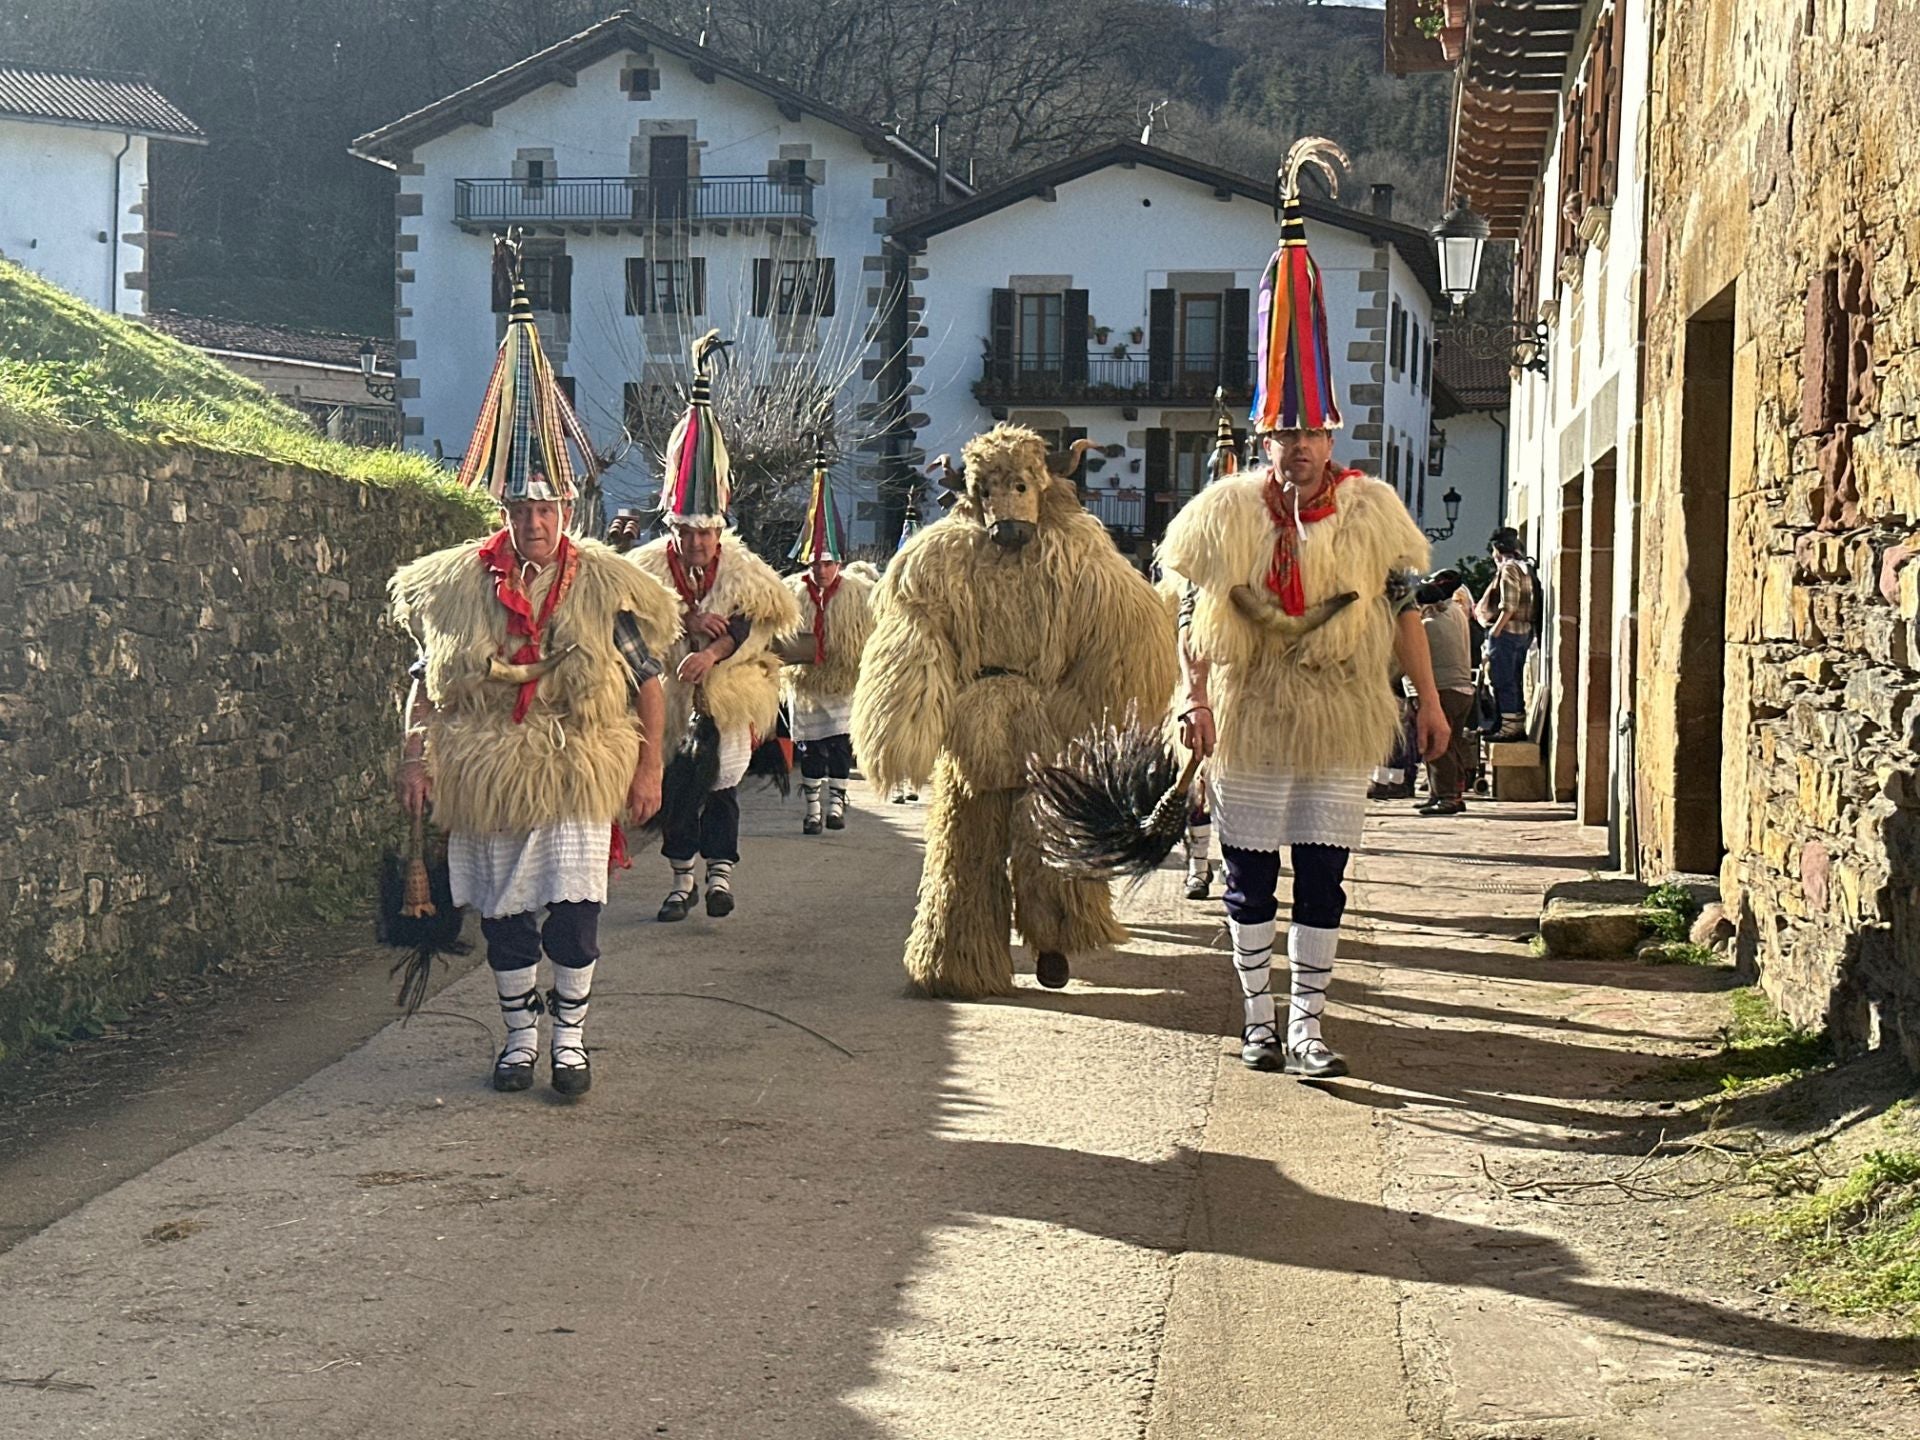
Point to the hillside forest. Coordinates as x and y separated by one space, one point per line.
274 221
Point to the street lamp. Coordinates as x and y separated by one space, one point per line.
378 389
1459 242
1451 500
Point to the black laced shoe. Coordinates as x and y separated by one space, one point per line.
1260 1049
513 1068
810 825
569 1079
1200 883
1315 1060
719 903
676 905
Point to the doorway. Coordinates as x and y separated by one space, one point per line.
1706 452
667 176
1566 659
1596 687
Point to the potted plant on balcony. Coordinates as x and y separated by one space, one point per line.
1100 333
1119 352
1137 334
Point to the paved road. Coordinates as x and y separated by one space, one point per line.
848 1213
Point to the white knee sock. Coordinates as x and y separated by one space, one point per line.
810 792
837 799
520 1008
682 876
1199 848
1252 962
568 1003
1310 952
720 875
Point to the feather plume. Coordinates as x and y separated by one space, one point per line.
1317 153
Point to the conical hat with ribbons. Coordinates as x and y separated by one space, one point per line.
697 478
821 537
528 444
1293 384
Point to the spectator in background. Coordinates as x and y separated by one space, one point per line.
1507 612
1450 642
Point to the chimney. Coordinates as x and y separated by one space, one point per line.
1382 198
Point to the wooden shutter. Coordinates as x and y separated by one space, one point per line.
562 285
1076 432
1159 464
636 287
762 286
1236 326
1160 340
823 285
1073 341
1001 331
698 283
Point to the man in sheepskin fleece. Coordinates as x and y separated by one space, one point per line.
823 656
536 719
1292 719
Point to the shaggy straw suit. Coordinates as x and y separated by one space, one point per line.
574 754
982 656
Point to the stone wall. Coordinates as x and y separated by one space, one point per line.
1782 239
197 707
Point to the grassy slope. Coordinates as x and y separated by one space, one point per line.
64 364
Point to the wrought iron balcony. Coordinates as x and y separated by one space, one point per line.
630 200
1147 379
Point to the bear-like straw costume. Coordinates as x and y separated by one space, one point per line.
984 654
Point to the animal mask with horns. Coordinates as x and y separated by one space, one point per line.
1009 472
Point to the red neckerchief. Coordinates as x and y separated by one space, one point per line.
691 594
503 563
1283 574
820 599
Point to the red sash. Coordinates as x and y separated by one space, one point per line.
820 598
1283 574
503 562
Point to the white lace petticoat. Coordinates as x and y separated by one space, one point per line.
529 869
1271 810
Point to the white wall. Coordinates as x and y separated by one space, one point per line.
56 204
1476 445
591 127
1117 233
1587 407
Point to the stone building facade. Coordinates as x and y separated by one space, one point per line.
198 709
1780 654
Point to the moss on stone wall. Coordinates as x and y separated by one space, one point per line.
197 705
1778 143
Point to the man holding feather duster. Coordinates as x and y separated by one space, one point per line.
1297 586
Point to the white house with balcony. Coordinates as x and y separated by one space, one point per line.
73 177
660 191
1109 296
